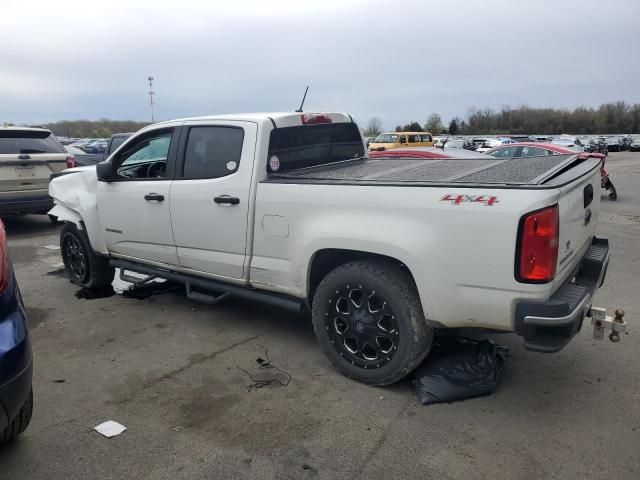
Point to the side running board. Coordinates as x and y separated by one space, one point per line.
220 290
203 297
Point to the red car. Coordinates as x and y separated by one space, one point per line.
532 149
425 152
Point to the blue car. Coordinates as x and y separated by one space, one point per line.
16 396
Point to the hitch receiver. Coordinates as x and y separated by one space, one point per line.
601 321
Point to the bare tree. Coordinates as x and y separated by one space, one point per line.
434 124
374 127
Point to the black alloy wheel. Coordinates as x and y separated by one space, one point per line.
75 257
362 326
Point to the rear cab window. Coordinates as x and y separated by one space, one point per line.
28 142
212 151
310 145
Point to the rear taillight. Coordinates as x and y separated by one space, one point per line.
71 161
537 248
4 259
313 119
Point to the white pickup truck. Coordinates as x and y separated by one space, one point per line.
286 208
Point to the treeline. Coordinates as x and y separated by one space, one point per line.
102 128
618 117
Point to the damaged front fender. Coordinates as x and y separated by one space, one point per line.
74 195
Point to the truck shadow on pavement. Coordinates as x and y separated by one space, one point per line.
28 226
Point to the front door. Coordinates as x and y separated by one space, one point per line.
210 196
134 208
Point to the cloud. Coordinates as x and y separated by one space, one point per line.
398 61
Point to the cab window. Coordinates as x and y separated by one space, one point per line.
146 157
414 138
213 151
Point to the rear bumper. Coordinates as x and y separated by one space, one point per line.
13 395
41 203
548 326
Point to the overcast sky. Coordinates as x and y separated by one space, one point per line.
399 61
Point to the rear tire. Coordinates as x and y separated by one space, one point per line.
368 321
613 194
20 423
82 265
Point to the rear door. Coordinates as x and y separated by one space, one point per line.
27 160
210 196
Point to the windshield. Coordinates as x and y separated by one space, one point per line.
386 138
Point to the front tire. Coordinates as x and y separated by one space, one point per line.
82 265
20 423
368 321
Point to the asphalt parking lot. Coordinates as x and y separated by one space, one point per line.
171 371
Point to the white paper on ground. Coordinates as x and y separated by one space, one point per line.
51 247
110 428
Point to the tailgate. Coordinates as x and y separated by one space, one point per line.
579 206
31 172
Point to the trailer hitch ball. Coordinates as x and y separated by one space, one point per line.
601 321
614 336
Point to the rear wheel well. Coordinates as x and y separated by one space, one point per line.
324 261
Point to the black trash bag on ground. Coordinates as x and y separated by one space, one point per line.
458 368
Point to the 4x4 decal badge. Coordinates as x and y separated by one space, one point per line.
456 199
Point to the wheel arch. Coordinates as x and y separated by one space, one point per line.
327 259
66 214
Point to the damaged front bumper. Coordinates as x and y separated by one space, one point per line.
548 326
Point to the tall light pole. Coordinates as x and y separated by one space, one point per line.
151 94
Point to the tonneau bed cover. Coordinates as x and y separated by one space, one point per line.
514 171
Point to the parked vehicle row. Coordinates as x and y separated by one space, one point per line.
81 158
545 149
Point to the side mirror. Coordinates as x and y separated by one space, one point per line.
104 172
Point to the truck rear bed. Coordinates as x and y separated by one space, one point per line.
513 171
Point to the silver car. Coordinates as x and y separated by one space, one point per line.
28 157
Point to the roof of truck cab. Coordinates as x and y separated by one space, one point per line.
281 119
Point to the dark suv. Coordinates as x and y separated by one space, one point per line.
16 395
